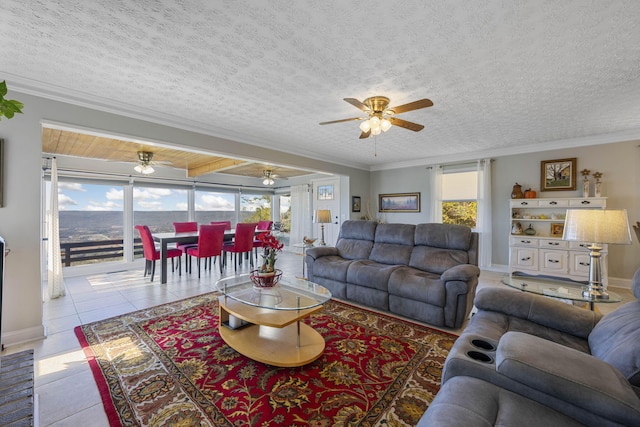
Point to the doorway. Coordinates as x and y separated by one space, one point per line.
326 196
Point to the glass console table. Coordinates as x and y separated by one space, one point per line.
561 289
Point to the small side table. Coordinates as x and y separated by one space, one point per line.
560 289
304 247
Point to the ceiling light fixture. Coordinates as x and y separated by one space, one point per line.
144 167
375 125
268 180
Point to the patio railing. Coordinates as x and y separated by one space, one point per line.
75 253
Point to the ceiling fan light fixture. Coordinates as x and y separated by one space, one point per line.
268 180
376 130
365 126
385 125
144 169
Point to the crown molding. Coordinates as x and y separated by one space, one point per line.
628 135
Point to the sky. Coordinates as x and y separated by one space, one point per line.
92 197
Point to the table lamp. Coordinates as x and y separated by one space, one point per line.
323 216
596 226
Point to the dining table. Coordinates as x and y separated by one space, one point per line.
182 238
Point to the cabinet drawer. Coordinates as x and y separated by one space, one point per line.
524 258
554 244
584 246
586 203
553 203
523 241
579 264
524 203
553 261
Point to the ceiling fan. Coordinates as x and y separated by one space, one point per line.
380 117
268 176
145 162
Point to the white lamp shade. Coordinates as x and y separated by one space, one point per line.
385 125
323 216
597 226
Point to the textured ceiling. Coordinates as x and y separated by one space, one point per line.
500 73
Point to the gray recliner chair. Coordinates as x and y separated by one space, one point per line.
525 355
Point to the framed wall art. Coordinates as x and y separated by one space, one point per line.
399 202
355 204
558 175
557 228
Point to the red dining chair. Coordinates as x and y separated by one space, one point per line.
264 226
210 241
151 254
242 243
227 224
184 227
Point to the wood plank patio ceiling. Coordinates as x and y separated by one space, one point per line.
63 142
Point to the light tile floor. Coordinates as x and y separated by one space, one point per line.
66 390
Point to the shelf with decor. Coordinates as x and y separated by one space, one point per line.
536 246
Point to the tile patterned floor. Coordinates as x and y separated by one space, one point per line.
66 391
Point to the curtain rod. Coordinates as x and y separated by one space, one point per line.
470 162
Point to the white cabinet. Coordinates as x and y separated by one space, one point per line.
545 253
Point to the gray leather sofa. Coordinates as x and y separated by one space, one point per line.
553 357
426 272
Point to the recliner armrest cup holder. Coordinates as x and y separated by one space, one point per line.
480 356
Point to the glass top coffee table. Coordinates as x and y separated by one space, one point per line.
264 324
561 289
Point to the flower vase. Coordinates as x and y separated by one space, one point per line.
265 279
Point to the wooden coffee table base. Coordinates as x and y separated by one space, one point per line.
272 337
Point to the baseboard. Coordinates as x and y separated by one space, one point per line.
22 336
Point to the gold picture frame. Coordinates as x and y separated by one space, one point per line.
558 175
557 229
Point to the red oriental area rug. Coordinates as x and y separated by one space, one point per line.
167 366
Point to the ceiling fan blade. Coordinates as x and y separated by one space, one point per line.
405 124
357 104
365 135
343 120
415 105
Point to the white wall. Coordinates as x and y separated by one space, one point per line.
20 218
619 162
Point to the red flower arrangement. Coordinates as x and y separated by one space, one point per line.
271 246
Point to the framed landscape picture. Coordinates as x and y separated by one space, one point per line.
558 175
399 202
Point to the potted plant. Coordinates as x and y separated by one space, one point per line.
267 275
8 107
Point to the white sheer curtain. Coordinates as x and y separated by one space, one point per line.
54 262
483 222
300 213
435 189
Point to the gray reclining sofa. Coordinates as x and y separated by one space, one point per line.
426 272
531 360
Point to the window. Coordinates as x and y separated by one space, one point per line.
159 207
255 207
215 206
460 198
91 220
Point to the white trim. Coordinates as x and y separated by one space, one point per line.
23 335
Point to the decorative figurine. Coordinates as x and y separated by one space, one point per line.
598 190
585 184
516 193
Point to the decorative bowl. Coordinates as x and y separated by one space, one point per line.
309 240
265 280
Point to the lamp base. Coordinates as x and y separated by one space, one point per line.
595 293
322 242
